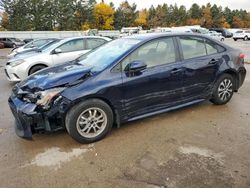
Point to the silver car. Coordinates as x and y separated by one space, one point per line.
20 67
35 44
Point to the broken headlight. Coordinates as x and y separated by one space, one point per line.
45 97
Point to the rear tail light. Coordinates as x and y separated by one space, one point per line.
241 58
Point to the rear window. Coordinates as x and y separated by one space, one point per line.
192 47
94 43
239 31
197 47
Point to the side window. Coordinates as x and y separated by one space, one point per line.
40 42
192 47
71 46
94 43
213 48
157 52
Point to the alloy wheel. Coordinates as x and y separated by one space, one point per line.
91 122
225 89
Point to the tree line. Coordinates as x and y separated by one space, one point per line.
56 15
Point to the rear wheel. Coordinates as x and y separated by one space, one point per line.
89 121
235 39
245 38
36 68
222 39
223 90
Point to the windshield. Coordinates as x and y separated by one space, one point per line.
105 55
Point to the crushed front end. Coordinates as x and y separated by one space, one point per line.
34 115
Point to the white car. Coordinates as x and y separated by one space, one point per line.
242 34
19 68
217 36
30 46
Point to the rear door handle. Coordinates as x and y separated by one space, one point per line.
175 71
213 61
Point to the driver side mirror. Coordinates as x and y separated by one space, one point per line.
57 51
135 67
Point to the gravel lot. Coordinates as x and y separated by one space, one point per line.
200 146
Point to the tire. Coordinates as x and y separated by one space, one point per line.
222 39
223 90
235 39
36 68
245 38
81 124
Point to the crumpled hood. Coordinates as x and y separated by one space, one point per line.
55 77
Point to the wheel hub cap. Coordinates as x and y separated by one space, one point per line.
91 122
225 89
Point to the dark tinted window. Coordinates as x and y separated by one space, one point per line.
157 52
192 47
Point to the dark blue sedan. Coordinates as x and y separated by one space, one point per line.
125 80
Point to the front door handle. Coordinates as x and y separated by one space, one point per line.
213 61
176 70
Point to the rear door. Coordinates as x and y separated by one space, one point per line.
157 87
201 60
70 51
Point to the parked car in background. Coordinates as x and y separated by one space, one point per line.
11 42
124 80
242 34
35 44
225 33
216 35
27 40
20 67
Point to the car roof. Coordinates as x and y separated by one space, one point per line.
84 37
149 36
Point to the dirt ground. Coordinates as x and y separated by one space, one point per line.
199 146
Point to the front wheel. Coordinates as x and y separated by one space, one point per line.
245 38
36 68
89 121
223 90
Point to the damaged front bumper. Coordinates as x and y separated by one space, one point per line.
30 119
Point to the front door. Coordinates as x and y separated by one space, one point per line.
158 86
69 51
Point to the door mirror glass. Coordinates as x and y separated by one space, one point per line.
135 66
58 51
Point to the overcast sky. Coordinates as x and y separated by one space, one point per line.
232 4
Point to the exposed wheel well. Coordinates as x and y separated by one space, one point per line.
40 64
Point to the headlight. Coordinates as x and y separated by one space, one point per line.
45 97
17 62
